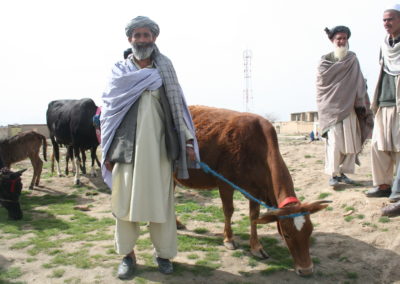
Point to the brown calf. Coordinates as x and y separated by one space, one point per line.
25 145
243 147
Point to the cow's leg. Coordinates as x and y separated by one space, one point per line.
77 162
56 151
83 164
255 245
226 194
69 156
40 168
35 171
94 157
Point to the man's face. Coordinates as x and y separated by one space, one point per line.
391 22
340 39
142 41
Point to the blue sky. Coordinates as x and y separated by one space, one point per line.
65 49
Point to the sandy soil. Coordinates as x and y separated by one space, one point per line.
362 250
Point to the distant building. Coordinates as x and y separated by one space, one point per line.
13 129
301 123
309 116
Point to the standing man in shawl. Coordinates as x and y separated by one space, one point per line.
343 107
385 144
147 134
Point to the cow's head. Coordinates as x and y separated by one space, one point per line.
10 190
296 231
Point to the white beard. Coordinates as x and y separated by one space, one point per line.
340 51
141 52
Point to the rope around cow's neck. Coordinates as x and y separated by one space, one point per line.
207 169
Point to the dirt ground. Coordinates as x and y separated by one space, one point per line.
352 243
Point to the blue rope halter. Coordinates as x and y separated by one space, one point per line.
208 170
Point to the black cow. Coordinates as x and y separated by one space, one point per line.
70 123
10 190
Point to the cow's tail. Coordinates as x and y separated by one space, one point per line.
44 143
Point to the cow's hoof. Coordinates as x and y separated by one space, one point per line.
230 245
77 182
180 226
260 253
31 187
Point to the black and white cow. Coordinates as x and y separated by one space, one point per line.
70 123
10 190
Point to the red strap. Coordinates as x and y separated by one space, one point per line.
13 181
287 200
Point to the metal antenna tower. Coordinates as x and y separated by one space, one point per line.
247 92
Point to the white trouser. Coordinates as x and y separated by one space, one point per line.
163 237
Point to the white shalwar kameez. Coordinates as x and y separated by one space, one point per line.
385 145
342 145
144 192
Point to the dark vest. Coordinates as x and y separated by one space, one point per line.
122 149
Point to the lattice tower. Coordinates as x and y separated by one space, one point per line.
247 92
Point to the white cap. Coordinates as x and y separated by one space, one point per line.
393 7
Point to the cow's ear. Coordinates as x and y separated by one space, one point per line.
315 206
266 218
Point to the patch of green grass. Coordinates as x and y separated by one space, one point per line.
143 243
302 198
272 268
309 156
349 218
198 243
193 256
319 162
214 193
349 208
57 273
297 189
200 230
253 262
360 216
351 275
10 273
238 254
323 195
79 259
238 196
316 260
384 219
329 208
212 256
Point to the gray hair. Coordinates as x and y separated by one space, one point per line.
142 22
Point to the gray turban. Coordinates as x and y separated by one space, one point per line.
338 29
142 22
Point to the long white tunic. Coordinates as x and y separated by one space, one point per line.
143 191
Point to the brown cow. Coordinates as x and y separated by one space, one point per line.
25 145
243 147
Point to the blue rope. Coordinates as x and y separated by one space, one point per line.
207 169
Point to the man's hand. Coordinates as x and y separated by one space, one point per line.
109 165
190 153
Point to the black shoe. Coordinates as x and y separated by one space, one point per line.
346 180
391 210
376 192
164 265
126 268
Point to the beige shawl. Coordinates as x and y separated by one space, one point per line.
341 87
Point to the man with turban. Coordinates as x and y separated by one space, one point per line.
385 144
343 107
147 133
